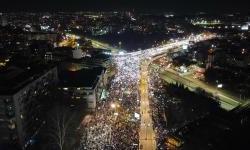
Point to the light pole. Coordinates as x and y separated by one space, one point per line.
113 107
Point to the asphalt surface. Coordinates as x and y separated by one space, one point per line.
147 133
228 101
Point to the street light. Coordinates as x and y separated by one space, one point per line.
219 85
113 105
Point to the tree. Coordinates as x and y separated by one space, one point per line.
60 119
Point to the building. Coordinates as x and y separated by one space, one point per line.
84 85
42 36
173 142
48 56
4 21
210 58
90 57
77 53
21 95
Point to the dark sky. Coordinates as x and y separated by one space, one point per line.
166 5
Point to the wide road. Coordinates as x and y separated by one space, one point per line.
227 101
102 45
147 133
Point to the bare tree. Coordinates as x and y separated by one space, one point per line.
58 126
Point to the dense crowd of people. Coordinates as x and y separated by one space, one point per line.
157 98
115 125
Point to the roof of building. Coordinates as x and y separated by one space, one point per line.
12 78
85 77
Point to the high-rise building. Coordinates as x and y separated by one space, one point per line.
210 58
4 21
21 92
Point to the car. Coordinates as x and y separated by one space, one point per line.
141 146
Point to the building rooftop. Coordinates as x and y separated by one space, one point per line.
13 78
85 77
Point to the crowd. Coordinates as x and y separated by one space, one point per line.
115 125
96 129
157 105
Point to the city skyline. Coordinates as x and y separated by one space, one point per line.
127 79
180 6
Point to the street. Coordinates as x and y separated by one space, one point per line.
147 133
227 101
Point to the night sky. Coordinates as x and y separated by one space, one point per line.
144 5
